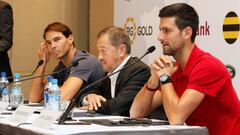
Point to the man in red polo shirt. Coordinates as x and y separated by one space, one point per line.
197 88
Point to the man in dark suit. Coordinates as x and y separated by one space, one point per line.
6 34
116 93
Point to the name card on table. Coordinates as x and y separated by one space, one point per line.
3 106
21 114
46 119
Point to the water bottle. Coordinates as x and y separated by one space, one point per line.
54 96
46 88
4 91
16 92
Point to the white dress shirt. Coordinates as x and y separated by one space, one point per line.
114 77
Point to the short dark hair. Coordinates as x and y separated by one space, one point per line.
117 36
185 16
58 27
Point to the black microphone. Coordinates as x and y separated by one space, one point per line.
79 93
74 64
40 62
151 49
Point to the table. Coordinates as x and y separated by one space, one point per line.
7 127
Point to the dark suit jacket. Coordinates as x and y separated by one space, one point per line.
6 33
129 82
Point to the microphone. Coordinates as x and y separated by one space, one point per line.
151 49
74 64
40 62
79 93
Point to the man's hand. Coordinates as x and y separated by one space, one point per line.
164 65
153 80
94 101
84 107
44 53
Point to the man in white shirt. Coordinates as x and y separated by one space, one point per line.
115 95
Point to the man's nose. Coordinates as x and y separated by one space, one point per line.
100 57
160 37
53 45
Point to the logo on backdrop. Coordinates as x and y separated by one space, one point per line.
203 29
231 70
130 28
231 27
134 30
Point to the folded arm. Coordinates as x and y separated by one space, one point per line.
177 108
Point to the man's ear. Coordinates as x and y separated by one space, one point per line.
122 50
70 39
187 33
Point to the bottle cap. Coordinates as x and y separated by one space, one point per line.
3 74
50 78
17 75
54 81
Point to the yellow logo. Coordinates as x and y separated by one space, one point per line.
130 28
231 27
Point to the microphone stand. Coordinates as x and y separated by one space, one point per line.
40 62
22 80
74 100
38 65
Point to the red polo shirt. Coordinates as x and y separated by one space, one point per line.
220 109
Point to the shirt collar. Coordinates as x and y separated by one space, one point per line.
194 56
120 66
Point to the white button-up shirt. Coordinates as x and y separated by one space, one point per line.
114 77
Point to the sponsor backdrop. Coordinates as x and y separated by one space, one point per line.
218 31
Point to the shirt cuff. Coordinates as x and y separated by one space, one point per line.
84 101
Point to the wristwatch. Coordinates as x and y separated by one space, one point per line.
163 79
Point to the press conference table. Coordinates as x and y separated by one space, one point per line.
7 127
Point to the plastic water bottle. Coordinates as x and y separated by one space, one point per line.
54 96
4 91
16 92
46 89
